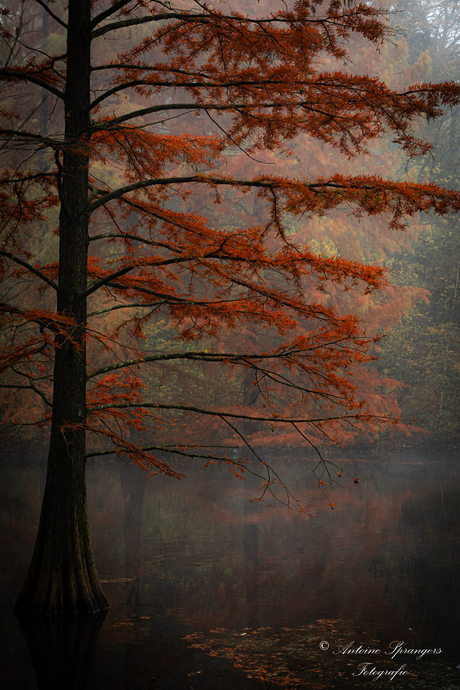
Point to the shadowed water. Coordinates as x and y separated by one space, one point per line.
189 556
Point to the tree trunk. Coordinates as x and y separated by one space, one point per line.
62 577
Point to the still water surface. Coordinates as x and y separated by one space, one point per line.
195 555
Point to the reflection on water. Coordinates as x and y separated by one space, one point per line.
182 557
62 649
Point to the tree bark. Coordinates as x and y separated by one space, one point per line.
62 577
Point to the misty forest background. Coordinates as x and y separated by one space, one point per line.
417 368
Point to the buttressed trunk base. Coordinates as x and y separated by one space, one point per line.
62 577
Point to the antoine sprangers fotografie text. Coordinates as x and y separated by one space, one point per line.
395 649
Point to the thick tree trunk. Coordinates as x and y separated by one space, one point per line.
62 577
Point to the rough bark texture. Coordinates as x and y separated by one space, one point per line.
62 577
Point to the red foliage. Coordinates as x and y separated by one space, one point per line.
166 262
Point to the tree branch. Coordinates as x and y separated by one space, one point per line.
43 323
30 386
16 74
181 300
273 420
51 14
105 281
108 13
207 17
134 305
158 264
30 268
143 184
30 135
198 356
192 84
28 178
147 19
188 106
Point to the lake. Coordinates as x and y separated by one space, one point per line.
209 590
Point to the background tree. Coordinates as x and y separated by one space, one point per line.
99 243
423 352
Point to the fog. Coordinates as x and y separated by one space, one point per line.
188 556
